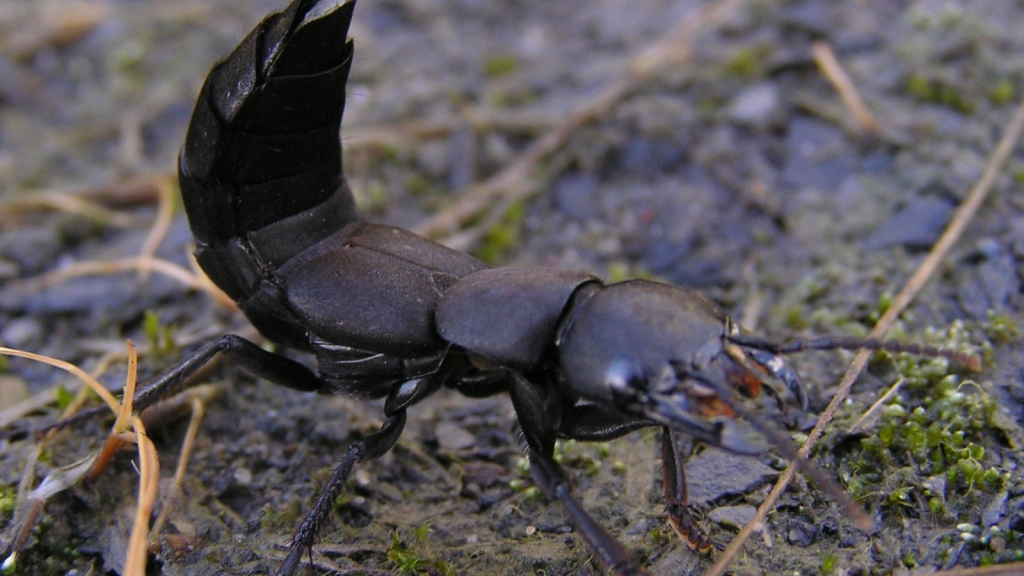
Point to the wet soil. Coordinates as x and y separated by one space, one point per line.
738 172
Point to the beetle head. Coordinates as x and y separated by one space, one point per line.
665 354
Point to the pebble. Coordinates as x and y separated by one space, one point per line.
917 225
715 473
758 105
453 437
733 516
24 332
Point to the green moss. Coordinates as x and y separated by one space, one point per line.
160 336
417 184
1003 92
795 319
882 306
8 499
935 431
504 235
419 561
939 91
64 397
828 564
278 519
749 61
1001 328
500 65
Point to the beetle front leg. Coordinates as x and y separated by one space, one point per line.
369 448
677 495
600 423
538 410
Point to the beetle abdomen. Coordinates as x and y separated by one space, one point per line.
262 146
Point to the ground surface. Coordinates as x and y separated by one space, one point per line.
738 172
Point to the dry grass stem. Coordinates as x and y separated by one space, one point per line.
50 23
195 400
834 72
102 365
125 414
871 414
105 267
31 501
515 182
68 203
924 272
166 190
149 484
75 371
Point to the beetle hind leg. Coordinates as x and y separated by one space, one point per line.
369 448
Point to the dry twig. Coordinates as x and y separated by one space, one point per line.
830 67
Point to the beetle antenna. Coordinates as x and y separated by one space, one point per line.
971 361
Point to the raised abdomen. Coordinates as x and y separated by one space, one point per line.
260 173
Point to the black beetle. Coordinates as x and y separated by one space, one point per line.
392 315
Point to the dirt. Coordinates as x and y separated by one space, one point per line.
739 172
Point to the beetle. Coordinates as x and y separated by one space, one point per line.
390 315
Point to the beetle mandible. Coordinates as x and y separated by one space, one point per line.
391 315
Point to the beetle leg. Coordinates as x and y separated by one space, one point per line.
600 423
677 496
267 365
369 448
480 385
537 408
255 360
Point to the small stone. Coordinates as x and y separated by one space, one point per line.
756 105
733 516
918 225
715 473
453 437
22 333
995 510
243 476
